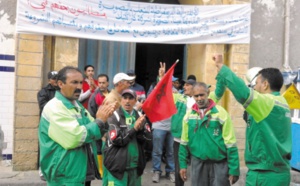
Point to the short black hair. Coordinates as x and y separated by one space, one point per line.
62 73
103 75
87 66
273 76
191 76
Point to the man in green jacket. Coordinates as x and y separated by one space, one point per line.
67 134
268 133
208 135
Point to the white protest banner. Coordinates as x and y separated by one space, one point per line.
117 20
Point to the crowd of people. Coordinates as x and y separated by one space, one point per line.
88 131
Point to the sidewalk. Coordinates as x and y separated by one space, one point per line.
8 177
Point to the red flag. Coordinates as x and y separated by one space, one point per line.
160 103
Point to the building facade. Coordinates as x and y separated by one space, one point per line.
25 60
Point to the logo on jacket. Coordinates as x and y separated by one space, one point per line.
113 134
216 132
148 128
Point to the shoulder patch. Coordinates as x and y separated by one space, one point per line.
148 128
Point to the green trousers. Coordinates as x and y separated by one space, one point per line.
130 178
267 178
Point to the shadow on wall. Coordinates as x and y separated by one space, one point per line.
1 142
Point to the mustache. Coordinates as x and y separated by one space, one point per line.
77 91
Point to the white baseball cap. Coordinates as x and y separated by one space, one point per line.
122 76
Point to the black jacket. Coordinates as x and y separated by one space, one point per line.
45 95
115 151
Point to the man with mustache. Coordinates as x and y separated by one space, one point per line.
208 135
124 157
67 134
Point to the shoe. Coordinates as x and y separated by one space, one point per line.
41 175
156 176
171 177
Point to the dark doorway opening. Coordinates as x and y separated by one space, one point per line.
148 57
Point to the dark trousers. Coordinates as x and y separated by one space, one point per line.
178 180
207 173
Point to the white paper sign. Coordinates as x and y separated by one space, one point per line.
126 21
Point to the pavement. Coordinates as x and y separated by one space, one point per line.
8 177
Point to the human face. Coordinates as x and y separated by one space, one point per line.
131 82
128 102
176 84
53 82
72 88
200 95
89 72
260 84
125 84
103 84
188 89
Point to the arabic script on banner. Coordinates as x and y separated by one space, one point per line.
135 22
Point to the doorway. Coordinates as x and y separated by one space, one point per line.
148 58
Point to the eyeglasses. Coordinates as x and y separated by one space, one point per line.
131 82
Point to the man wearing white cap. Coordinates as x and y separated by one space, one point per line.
121 82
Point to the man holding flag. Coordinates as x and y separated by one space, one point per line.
159 107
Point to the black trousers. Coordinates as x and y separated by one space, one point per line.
178 180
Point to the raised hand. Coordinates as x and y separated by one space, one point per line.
218 58
162 69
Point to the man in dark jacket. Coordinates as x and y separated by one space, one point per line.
47 92
124 159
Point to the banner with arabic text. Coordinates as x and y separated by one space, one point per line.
127 21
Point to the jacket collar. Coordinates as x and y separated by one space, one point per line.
67 102
210 107
276 93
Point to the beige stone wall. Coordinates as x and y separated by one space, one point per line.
36 55
29 62
65 52
200 63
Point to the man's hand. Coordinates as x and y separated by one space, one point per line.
218 58
105 111
233 179
92 83
139 123
162 70
183 174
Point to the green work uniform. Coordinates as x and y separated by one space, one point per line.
268 132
